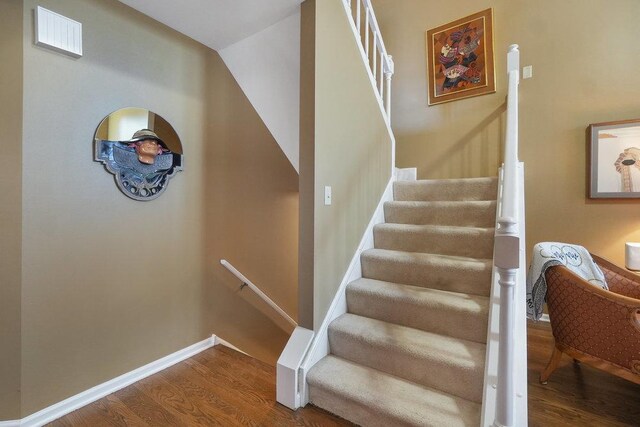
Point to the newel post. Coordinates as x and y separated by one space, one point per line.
507 261
507 252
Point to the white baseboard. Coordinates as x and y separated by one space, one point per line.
219 341
86 397
320 345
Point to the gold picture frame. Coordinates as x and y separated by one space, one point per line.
460 58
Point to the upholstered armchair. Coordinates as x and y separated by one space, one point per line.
595 326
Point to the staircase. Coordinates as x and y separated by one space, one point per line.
411 348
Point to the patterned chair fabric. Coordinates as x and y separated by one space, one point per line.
593 325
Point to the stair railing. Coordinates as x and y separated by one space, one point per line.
380 64
508 258
247 283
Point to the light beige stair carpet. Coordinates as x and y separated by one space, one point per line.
410 351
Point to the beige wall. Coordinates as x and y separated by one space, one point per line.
10 205
251 220
583 61
109 283
351 152
306 168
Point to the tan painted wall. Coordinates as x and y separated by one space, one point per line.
583 58
351 152
251 220
306 168
10 205
109 283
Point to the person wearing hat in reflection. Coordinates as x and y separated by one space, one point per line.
142 165
148 145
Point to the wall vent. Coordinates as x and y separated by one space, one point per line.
58 32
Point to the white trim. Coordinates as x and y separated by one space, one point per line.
320 345
86 397
406 174
288 368
219 341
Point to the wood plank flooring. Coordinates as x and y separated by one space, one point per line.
221 387
576 394
218 387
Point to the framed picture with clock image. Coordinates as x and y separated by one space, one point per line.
614 160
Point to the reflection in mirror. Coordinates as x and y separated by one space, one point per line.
141 149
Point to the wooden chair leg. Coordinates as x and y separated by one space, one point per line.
551 366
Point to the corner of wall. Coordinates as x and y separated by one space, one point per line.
11 70
307 163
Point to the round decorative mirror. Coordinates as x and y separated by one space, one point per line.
140 149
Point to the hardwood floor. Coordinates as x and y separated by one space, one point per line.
223 387
218 387
576 394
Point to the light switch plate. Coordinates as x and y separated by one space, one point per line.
57 32
327 195
527 72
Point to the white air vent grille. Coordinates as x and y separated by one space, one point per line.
58 32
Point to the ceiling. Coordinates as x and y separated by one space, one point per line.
217 23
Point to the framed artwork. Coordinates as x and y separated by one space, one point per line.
460 58
614 160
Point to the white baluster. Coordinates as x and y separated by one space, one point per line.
374 66
381 77
387 100
366 32
357 16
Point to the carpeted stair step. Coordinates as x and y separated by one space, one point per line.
451 365
441 312
372 398
461 213
447 189
435 239
444 272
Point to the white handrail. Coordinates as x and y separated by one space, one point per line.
507 251
258 292
381 81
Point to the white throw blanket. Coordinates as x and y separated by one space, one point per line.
547 254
